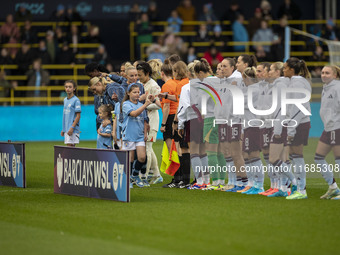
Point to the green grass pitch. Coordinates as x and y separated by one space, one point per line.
162 221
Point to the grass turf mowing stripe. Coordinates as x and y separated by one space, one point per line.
162 221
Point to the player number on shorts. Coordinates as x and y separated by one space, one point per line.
332 137
234 132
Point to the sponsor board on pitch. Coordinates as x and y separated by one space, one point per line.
92 173
12 164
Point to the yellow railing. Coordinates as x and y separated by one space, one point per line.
75 76
79 46
36 45
234 54
53 24
302 23
48 99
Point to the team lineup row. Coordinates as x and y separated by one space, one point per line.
190 121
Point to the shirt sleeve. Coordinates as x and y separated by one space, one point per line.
127 108
107 129
294 113
155 90
184 104
117 78
145 116
166 88
117 109
77 106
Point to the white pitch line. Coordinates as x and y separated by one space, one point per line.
26 190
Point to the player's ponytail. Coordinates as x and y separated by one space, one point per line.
250 60
202 66
167 68
181 70
191 67
250 72
299 67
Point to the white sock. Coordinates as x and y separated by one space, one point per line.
196 167
258 173
287 172
326 171
303 192
229 165
250 173
300 173
333 186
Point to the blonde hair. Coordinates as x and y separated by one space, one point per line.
278 66
127 65
181 70
127 69
95 80
156 66
191 67
335 69
250 72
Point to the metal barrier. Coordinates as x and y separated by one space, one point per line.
75 76
53 24
234 54
12 99
71 45
301 23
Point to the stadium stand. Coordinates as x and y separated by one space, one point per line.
83 41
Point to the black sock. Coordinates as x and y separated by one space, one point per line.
143 168
131 167
178 174
186 167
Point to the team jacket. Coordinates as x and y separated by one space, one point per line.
279 83
293 111
330 106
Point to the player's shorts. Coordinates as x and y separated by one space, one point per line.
252 139
168 127
223 132
234 133
301 136
186 136
119 143
331 137
282 139
181 140
152 136
196 131
210 133
266 137
131 146
72 139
